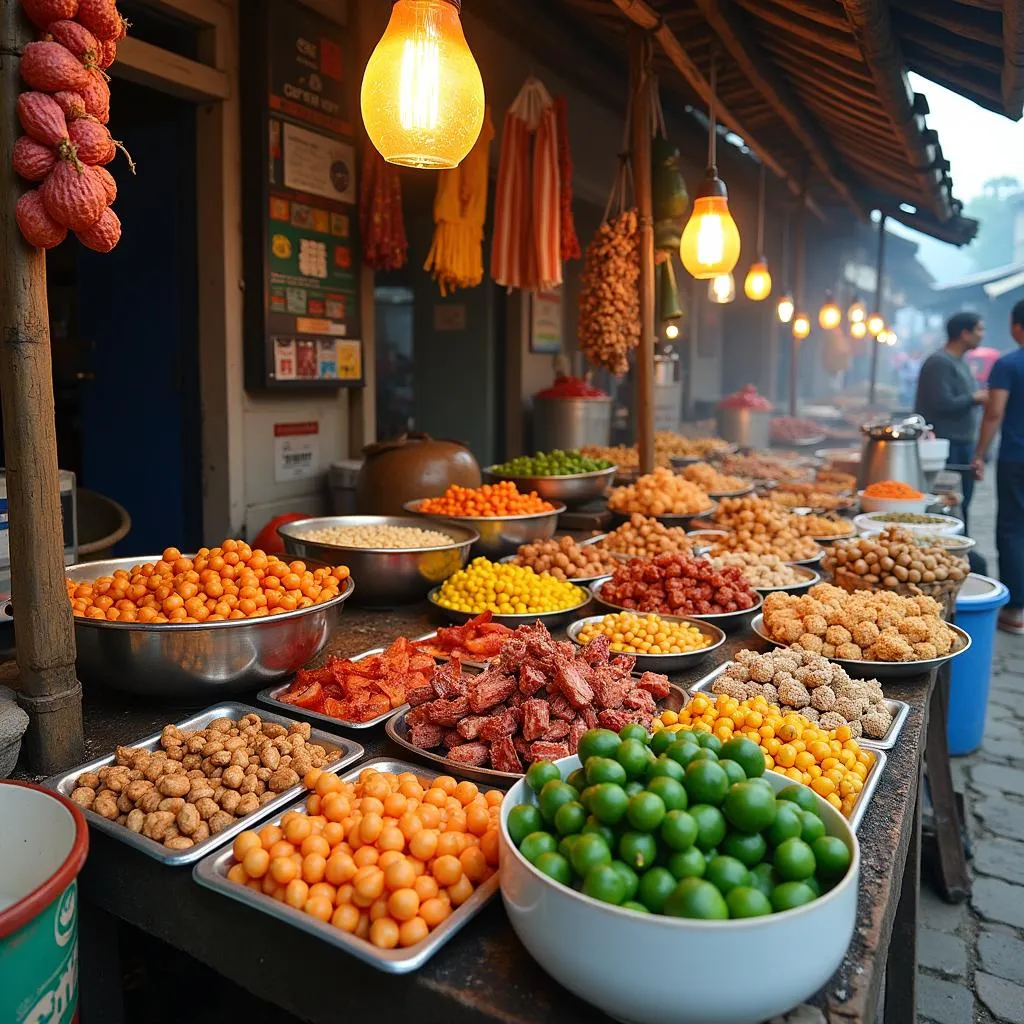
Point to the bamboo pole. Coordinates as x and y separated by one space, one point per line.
879 298
640 55
49 690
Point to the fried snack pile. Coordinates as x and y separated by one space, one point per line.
761 527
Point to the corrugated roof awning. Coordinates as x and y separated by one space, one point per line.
983 278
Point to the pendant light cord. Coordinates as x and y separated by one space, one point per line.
712 129
760 217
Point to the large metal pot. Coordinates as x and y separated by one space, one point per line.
748 428
890 451
571 422
193 661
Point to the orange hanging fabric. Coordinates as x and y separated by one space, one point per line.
381 223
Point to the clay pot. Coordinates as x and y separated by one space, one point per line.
410 467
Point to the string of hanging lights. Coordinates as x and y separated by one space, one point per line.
722 288
830 316
758 283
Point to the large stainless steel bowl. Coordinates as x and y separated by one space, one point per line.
499 535
574 489
201 660
386 576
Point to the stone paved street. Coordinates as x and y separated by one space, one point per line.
972 957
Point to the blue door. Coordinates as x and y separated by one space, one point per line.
137 328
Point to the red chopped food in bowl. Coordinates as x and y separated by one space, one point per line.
746 398
571 387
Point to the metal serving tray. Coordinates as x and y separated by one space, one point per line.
271 697
65 783
860 808
437 657
899 709
212 873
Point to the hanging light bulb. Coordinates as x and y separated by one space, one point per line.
856 313
671 331
858 329
722 288
785 308
710 244
875 324
801 326
830 316
757 285
892 339
422 96
669 310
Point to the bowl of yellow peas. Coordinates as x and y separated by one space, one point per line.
658 644
514 594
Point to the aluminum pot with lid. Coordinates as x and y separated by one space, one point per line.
889 451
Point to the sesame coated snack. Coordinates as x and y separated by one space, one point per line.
863 625
762 571
813 686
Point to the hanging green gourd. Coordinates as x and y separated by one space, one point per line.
670 199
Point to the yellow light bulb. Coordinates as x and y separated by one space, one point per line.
875 324
830 316
858 329
722 289
801 326
758 283
785 309
671 331
422 96
710 244
856 314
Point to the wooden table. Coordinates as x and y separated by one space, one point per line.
484 974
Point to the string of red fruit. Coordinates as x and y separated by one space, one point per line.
64 115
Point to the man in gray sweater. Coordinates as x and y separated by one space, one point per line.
948 396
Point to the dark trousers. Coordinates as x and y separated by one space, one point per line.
1010 528
960 454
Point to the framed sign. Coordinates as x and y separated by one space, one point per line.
301 255
546 321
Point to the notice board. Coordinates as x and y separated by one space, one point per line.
299 190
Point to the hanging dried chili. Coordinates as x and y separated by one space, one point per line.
570 243
382 225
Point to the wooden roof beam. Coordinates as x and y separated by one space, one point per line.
984 27
1013 60
642 14
827 40
721 15
880 48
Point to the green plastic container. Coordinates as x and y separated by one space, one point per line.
43 844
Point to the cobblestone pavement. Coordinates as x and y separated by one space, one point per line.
972 956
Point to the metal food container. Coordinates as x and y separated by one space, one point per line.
213 871
574 489
348 750
661 662
748 428
571 423
499 535
386 575
559 617
197 660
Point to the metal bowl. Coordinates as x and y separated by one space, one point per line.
550 619
574 489
189 661
386 576
741 493
723 620
685 520
812 577
809 563
579 581
663 662
883 671
499 535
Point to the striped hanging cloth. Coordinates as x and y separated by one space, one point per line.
526 252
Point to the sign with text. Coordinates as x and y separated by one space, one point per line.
296 451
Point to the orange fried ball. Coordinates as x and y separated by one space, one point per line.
500 499
228 582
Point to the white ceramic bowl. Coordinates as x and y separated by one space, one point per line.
948 526
650 969
869 504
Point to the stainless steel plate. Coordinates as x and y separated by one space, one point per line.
860 808
212 874
663 662
794 588
271 697
398 730
883 671
65 783
726 621
899 709
550 619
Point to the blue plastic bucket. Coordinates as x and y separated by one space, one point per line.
977 610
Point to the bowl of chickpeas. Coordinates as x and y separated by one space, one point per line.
397 559
191 627
658 644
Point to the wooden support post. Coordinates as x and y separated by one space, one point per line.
879 299
640 56
799 262
44 631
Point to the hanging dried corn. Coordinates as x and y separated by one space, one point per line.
381 222
527 247
460 208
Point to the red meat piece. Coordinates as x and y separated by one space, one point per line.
589 716
609 692
489 689
425 735
522 746
469 728
536 718
557 730
576 729
513 651
451 738
447 712
504 757
656 684
472 754
625 663
596 651
561 708
572 683
448 680
419 695
639 700
531 679
615 720
541 751
497 726
417 716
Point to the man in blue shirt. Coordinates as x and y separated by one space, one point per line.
1006 409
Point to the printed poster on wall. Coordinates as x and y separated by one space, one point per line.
296 451
546 321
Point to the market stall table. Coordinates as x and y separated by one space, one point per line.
484 974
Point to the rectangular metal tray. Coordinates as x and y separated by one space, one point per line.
212 873
870 785
65 783
270 696
899 709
